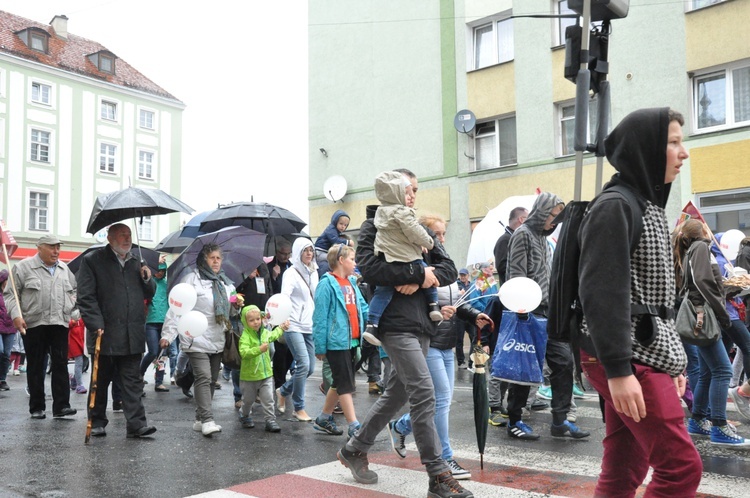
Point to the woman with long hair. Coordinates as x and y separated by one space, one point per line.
697 275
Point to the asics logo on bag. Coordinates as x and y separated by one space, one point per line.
519 346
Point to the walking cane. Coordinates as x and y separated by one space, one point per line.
92 387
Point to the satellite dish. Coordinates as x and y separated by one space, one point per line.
335 187
464 121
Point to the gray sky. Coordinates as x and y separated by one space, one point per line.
239 66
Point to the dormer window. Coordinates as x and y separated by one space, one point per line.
104 61
35 38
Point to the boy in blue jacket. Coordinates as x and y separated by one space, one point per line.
333 234
338 322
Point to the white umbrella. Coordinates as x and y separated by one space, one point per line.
487 231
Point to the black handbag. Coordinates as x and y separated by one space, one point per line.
231 355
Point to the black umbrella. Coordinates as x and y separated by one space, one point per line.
192 229
149 256
132 202
242 248
481 401
174 243
259 216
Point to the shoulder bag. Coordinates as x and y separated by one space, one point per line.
696 325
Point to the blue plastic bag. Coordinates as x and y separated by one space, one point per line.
519 353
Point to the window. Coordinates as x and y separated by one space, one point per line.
145 165
726 209
106 63
144 228
41 93
495 144
40 145
109 110
699 4
38 210
567 114
107 158
146 119
561 7
721 99
35 39
493 43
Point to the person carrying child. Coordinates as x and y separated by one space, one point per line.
340 312
75 351
256 371
332 235
400 238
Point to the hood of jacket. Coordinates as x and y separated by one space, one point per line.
338 214
245 311
300 244
637 149
542 208
390 188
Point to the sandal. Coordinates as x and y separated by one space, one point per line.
161 388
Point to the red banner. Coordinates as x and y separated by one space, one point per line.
9 243
689 212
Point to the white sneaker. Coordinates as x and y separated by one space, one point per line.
16 373
459 473
197 426
209 428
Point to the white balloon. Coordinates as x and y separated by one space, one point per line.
192 324
730 243
182 298
520 294
278 309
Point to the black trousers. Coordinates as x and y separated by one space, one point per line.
39 341
282 362
127 370
464 328
560 362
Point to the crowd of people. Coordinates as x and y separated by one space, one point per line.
396 295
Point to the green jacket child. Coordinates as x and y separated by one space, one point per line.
256 359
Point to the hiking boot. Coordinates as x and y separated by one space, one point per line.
375 388
371 334
726 435
519 430
446 486
398 440
741 402
544 392
568 429
327 425
459 473
435 314
498 419
699 427
357 463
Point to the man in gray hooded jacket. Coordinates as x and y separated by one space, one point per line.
529 256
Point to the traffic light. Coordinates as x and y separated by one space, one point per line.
597 54
602 10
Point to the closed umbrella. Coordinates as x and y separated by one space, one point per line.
242 249
148 256
259 216
481 400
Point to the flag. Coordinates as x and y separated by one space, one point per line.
9 243
690 212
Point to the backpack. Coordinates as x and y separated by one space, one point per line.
565 313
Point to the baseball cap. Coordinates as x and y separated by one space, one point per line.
50 240
463 271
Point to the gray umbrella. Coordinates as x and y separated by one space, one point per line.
259 216
174 243
132 202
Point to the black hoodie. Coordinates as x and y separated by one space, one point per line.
610 279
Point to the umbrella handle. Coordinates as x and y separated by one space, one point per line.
138 241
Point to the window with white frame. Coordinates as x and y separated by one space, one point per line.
699 4
146 119
144 228
107 158
567 113
38 210
41 93
40 141
109 110
721 98
145 165
495 144
726 209
493 43
560 7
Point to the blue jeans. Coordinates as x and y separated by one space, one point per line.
6 343
713 384
303 351
693 365
153 335
383 295
440 363
739 334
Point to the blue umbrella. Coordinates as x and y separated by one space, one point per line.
192 228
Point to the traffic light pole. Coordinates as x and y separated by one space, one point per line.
583 82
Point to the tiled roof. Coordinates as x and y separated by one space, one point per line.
71 55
